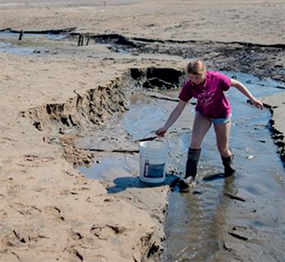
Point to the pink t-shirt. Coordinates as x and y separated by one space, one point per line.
211 100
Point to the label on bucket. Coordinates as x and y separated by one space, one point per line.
153 170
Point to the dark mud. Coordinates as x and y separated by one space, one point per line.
263 61
260 60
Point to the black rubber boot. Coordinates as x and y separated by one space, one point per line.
191 168
228 164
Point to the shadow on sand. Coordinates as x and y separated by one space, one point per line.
122 183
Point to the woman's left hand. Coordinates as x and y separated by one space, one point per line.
257 103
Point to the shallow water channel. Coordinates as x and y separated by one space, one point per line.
204 224
10 44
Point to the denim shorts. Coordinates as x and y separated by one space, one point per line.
221 120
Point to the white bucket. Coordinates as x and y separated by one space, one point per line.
153 160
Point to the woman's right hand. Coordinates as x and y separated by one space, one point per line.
161 131
257 103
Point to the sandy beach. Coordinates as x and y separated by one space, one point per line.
54 92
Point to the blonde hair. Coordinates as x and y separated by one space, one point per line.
196 67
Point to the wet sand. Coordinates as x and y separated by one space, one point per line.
48 210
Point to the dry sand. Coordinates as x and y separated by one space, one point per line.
48 210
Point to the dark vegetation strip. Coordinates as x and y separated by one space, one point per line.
51 31
234 197
238 236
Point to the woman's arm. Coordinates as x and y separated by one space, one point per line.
242 88
172 118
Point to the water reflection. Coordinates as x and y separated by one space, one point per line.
194 219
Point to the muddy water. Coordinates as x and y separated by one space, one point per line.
9 43
8 48
206 224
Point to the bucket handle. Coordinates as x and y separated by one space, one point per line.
163 139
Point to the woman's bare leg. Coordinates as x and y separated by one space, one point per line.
222 137
201 126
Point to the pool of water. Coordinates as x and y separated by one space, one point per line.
198 223
29 35
8 48
6 40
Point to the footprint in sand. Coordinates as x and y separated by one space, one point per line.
23 237
85 242
103 232
54 212
26 210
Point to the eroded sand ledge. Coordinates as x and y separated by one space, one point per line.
43 197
